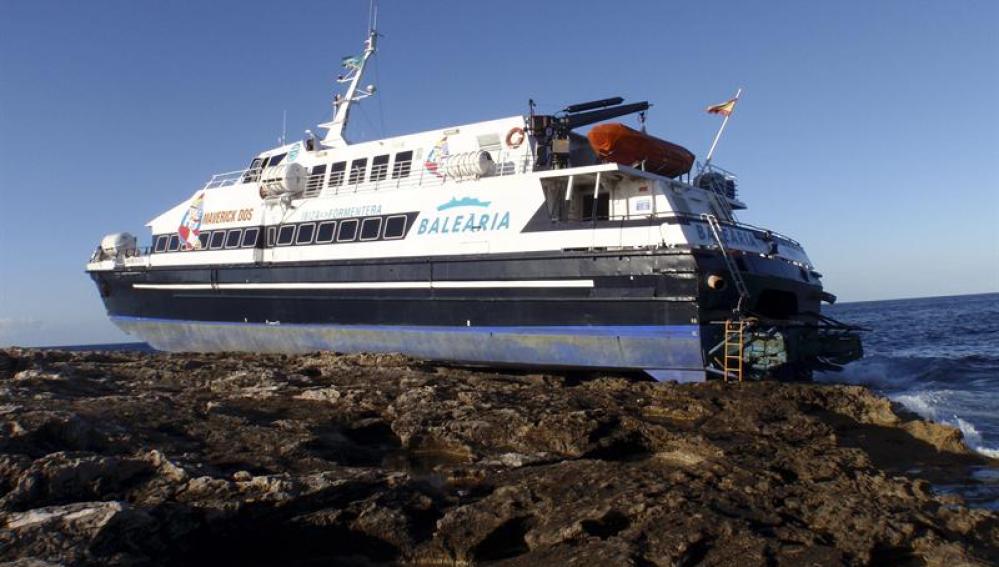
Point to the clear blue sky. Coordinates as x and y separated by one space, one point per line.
868 130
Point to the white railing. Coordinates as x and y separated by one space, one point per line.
417 175
232 178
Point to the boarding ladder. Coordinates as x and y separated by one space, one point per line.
735 332
732 361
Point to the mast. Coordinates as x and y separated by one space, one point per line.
336 128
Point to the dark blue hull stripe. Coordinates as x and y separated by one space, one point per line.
648 347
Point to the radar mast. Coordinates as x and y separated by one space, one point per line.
336 128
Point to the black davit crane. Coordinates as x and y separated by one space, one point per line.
552 131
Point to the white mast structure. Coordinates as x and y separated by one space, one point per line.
711 152
337 127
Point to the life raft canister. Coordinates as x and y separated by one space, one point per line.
515 137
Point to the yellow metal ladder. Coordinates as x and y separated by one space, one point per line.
734 344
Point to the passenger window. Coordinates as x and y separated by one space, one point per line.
217 237
275 160
232 240
174 243
203 239
336 173
161 243
271 236
253 172
357 168
325 232
250 237
348 230
314 183
403 164
305 233
379 168
395 227
370 228
286 234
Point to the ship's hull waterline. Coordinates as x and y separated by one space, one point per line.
627 310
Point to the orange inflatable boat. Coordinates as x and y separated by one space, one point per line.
617 143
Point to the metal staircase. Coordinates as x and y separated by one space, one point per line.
732 359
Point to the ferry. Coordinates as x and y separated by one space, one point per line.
517 241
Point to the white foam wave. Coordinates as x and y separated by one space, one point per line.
926 405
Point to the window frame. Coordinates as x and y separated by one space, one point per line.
291 240
204 237
221 243
228 236
363 171
405 224
378 232
337 174
161 239
298 232
397 166
379 171
174 243
332 234
339 230
256 237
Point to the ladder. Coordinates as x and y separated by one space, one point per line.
732 351
733 270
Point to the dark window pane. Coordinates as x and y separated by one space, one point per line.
161 242
203 239
314 183
271 236
217 237
326 231
348 230
403 164
305 233
370 228
379 168
250 237
174 243
395 227
232 240
275 160
357 168
286 234
336 173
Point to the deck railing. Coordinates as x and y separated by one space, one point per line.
402 175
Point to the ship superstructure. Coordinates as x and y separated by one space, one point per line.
514 241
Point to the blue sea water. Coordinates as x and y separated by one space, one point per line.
937 356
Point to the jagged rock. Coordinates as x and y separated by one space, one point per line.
248 459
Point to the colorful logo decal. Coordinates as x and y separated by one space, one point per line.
472 221
293 151
463 202
190 225
434 157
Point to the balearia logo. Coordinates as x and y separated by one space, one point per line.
450 221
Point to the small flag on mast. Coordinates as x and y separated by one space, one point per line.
725 108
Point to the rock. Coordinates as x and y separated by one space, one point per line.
322 458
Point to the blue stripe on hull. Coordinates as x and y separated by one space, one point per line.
661 348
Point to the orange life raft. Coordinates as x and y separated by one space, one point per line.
617 143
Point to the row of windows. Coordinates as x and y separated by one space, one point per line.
326 232
402 165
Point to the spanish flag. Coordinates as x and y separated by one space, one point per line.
724 108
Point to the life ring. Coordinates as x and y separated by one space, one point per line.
515 137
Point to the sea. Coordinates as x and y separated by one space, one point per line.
939 358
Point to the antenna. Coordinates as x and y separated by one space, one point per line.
355 71
284 125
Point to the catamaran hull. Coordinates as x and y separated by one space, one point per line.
633 310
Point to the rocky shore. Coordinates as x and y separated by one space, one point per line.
155 459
